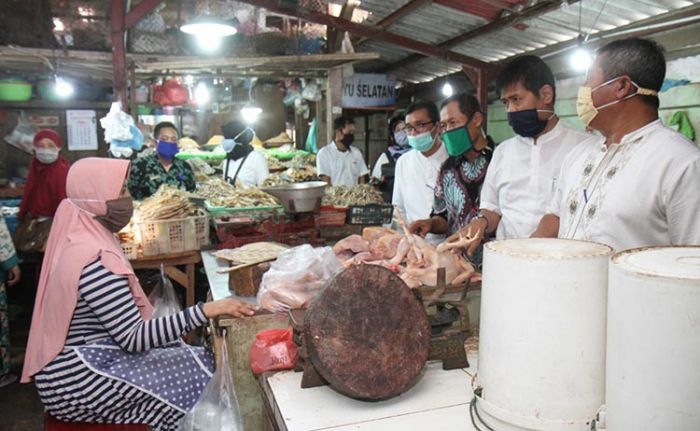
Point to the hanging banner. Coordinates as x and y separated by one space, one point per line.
368 90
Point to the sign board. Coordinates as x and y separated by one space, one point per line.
368 90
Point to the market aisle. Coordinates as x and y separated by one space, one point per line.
20 405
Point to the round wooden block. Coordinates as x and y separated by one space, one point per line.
367 334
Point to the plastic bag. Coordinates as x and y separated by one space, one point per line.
296 277
117 124
273 349
163 297
217 407
124 148
22 135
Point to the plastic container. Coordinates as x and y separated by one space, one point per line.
173 236
653 347
332 216
131 250
15 90
542 334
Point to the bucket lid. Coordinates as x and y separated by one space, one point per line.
548 248
677 262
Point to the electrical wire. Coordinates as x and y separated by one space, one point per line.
474 411
600 12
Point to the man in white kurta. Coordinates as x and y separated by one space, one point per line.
340 163
643 191
414 183
638 185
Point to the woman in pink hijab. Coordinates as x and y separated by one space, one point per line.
94 351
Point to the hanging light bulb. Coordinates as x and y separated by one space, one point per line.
63 88
201 94
581 59
208 31
447 90
250 114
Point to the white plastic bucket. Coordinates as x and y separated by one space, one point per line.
653 353
542 334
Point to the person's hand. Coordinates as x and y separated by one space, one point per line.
14 276
228 307
421 227
474 230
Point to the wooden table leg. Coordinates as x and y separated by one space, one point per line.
190 284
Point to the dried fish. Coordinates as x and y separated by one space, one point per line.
222 194
291 176
166 203
343 196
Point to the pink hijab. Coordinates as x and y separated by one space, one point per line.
77 239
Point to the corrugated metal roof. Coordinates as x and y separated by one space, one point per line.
435 23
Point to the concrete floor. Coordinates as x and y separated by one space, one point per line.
19 403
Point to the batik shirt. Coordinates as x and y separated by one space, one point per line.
147 174
457 190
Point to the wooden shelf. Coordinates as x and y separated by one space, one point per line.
50 104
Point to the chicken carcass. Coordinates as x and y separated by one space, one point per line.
423 260
353 243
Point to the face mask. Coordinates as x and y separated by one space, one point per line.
348 140
458 141
587 111
228 145
422 142
401 138
119 212
46 155
526 123
167 150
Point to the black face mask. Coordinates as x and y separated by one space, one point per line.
119 212
240 150
526 123
348 139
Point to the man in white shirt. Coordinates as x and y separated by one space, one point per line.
522 176
460 177
243 163
340 163
636 186
417 170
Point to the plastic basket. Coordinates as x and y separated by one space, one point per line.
131 250
246 211
376 214
173 236
332 216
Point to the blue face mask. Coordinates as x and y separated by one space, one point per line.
167 150
422 142
401 138
228 145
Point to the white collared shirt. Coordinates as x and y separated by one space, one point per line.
522 177
343 167
253 172
414 183
643 191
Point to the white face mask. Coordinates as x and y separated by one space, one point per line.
587 111
46 155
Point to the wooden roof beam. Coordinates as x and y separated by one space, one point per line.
369 32
531 12
398 14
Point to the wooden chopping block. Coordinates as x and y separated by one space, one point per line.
367 334
246 281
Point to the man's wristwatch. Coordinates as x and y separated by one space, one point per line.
482 216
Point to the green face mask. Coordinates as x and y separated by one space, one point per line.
457 141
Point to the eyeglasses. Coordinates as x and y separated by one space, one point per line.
418 127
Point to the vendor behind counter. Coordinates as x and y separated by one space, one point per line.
150 172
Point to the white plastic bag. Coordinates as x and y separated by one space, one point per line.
22 135
296 277
117 124
217 407
163 297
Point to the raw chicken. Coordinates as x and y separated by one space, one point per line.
373 233
354 243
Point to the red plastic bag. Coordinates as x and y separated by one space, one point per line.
273 349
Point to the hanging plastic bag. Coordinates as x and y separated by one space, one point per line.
22 136
272 350
125 148
296 277
311 145
217 407
163 297
117 124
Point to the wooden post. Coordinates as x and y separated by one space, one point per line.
119 51
478 78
